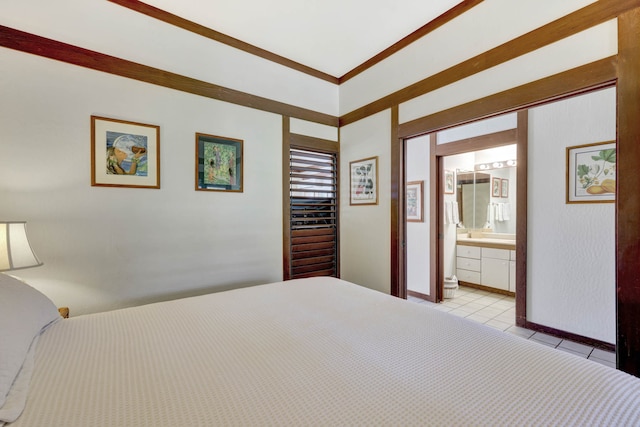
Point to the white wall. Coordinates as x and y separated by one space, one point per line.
418 235
111 247
365 231
571 247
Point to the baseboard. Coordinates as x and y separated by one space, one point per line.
570 336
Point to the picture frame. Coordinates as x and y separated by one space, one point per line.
591 173
449 182
219 163
363 186
124 153
504 188
495 187
413 198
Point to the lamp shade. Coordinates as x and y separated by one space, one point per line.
15 250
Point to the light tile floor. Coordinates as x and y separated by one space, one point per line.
499 311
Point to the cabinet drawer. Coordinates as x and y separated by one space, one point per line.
468 251
495 253
468 276
468 264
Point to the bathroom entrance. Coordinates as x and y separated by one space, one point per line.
476 213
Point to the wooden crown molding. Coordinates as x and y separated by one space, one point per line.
580 20
212 34
449 15
52 49
209 33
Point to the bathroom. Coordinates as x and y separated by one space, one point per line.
476 209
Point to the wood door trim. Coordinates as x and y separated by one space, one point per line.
628 196
582 79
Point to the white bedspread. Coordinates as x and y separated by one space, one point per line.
310 352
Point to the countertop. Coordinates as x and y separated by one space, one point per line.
488 242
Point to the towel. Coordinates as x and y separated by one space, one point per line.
456 212
506 214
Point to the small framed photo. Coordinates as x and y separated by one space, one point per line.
413 198
124 154
364 181
591 173
219 163
449 182
504 188
495 187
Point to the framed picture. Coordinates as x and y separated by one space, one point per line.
364 181
495 187
124 154
591 173
219 162
504 188
413 198
449 181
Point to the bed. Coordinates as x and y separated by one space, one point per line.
319 351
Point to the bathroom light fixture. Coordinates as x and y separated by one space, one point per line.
15 250
495 165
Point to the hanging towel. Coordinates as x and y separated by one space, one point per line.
456 212
499 216
448 214
506 214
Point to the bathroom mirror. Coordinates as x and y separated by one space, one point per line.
474 194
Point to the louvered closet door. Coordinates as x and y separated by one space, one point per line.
313 214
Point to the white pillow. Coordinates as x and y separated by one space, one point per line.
24 313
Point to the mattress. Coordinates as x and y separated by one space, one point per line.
317 351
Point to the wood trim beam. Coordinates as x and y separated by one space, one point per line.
449 15
581 79
286 199
522 185
52 49
312 143
209 33
580 20
628 196
398 276
482 142
436 224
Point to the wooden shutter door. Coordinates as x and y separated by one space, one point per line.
313 214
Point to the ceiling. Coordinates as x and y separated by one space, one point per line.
332 36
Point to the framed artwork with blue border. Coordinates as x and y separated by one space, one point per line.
219 163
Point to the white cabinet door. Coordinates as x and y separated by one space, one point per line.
495 273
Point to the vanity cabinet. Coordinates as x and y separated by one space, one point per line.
490 267
495 268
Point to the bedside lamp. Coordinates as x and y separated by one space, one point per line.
15 250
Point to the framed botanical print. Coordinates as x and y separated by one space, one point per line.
591 173
364 181
504 188
495 187
124 154
219 163
449 181
413 197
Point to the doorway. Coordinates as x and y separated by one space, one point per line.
483 154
